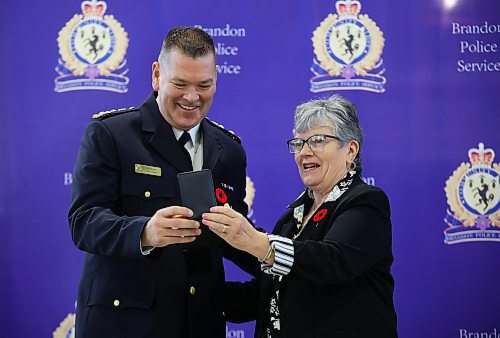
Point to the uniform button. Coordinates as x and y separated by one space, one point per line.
147 194
192 290
116 302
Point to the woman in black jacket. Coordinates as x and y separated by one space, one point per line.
326 265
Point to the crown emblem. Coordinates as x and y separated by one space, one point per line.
481 157
94 8
348 7
473 195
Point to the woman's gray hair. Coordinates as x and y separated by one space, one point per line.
335 112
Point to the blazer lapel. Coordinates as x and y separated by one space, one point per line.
212 147
288 229
160 134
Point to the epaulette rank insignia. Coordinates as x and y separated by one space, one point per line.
230 133
112 112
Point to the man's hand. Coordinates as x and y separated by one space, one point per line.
169 226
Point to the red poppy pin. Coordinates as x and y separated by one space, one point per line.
220 195
320 215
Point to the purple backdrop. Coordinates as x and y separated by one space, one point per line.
441 99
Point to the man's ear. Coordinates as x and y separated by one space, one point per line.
155 76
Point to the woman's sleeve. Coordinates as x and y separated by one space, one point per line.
283 256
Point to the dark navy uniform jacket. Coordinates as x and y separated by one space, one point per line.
175 291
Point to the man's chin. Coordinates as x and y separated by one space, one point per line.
186 125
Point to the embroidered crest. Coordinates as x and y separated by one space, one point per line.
348 48
92 47
473 195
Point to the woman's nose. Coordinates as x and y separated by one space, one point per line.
305 151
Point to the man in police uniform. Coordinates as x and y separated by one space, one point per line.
144 274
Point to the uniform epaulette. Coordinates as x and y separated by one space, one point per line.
230 133
113 112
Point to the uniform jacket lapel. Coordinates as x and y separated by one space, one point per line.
159 134
212 147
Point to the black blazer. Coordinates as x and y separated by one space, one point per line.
175 291
340 284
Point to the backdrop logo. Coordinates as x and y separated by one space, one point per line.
348 48
249 197
92 48
473 194
66 328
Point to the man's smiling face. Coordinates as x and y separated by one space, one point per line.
186 87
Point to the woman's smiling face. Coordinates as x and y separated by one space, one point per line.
320 170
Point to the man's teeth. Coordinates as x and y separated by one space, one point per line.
188 107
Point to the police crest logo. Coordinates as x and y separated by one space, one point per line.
66 328
249 198
473 195
348 48
92 48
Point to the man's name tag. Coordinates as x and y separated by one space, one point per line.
147 170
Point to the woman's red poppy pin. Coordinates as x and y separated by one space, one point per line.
320 215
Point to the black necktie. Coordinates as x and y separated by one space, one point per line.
185 137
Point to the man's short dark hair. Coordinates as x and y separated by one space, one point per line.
190 41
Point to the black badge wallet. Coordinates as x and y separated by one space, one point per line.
197 191
197 194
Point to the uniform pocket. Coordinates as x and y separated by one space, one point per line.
145 194
120 308
122 294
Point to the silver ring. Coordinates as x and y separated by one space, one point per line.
224 229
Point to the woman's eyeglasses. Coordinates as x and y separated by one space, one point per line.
314 142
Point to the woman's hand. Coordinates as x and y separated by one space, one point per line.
235 229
